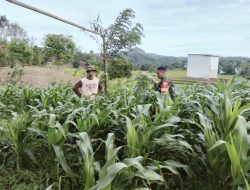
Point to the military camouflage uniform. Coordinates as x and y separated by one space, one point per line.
166 86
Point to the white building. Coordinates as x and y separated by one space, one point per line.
202 66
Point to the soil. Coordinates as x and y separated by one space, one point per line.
35 76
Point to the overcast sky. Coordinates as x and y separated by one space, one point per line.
171 27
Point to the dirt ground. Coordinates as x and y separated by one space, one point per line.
35 76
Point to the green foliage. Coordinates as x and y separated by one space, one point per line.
88 160
15 133
3 53
22 180
144 81
59 48
119 68
245 70
19 52
85 59
229 68
16 74
120 35
229 65
128 140
38 57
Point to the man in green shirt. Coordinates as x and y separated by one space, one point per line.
165 86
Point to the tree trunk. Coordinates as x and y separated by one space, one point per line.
105 64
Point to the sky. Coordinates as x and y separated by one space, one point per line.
171 27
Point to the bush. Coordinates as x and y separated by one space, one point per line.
119 68
245 70
19 52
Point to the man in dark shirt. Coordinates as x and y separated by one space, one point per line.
164 86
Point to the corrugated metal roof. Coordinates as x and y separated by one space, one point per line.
204 54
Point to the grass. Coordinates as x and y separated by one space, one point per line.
75 72
172 74
178 76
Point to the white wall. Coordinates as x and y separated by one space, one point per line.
198 66
213 73
202 66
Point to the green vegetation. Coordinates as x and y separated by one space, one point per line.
245 70
149 61
123 34
50 138
134 138
19 53
59 49
17 48
119 68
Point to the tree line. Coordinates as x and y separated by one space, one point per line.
149 61
17 48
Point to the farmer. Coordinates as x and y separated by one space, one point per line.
89 85
165 86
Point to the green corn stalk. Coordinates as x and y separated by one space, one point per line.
86 123
62 160
223 113
111 168
88 160
217 158
173 167
237 148
146 173
111 172
132 139
15 132
56 132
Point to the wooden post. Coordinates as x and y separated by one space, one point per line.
51 15
103 36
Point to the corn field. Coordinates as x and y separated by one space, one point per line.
133 139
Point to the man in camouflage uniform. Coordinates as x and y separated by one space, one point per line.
165 86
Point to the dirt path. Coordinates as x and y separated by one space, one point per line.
36 76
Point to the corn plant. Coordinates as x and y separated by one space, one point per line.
56 132
129 140
217 126
132 139
110 169
237 149
88 160
16 133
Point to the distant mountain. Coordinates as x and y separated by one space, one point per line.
146 61
149 61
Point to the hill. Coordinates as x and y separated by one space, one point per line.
147 61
